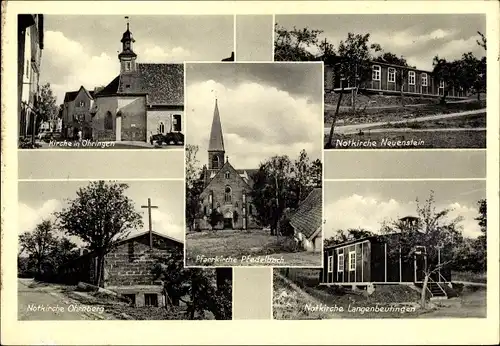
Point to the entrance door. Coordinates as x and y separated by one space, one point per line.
228 223
420 263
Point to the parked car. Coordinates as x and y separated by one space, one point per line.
171 138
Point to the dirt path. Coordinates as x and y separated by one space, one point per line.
472 304
48 302
355 128
410 130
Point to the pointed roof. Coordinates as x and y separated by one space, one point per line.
216 142
307 219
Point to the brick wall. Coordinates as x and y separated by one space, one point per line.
131 262
217 188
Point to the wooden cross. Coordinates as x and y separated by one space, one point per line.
149 207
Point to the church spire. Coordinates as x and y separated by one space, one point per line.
216 138
127 56
216 143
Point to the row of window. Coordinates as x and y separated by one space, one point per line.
391 76
340 262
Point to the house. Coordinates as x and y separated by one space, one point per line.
30 42
369 261
385 80
307 222
127 268
144 100
226 189
76 113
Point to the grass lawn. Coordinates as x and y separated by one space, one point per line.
468 121
370 115
238 243
289 303
437 139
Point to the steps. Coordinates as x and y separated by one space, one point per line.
437 291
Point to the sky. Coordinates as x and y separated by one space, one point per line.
367 204
265 109
417 37
39 200
254 39
83 50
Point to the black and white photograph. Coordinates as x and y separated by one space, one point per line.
117 84
394 249
254 164
394 81
111 250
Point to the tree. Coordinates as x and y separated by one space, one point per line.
482 43
39 244
101 215
342 236
207 289
434 230
215 218
353 63
451 73
292 45
480 243
194 185
401 73
46 108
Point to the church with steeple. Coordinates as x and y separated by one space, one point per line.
144 100
226 189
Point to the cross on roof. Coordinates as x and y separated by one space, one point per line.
149 207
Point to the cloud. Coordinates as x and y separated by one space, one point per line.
357 211
258 121
30 217
67 65
155 54
163 223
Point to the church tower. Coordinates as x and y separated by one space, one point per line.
216 144
127 56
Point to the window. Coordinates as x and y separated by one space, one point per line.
424 79
215 162
330 264
205 210
352 261
161 128
226 175
391 75
108 121
340 263
131 298
376 72
150 299
227 194
81 104
250 209
441 84
411 77
244 197
127 66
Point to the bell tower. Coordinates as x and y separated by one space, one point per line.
127 56
216 143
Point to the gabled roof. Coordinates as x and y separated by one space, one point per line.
247 175
307 219
71 95
224 168
163 84
139 235
216 141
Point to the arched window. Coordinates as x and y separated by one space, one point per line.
161 128
108 121
227 194
215 162
226 175
250 209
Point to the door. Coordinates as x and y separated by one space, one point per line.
420 263
177 123
228 223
